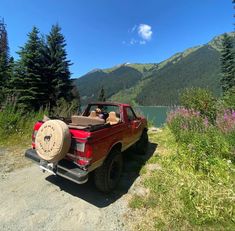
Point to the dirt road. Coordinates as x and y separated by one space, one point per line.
32 200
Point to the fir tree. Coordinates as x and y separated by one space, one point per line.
76 98
102 95
4 60
57 67
227 63
28 83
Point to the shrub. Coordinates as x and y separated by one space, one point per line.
225 122
228 100
9 121
200 140
65 109
184 123
16 127
201 100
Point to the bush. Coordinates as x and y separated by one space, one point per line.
65 109
201 100
184 123
201 141
9 121
16 127
229 99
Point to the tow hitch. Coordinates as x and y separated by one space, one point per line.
49 167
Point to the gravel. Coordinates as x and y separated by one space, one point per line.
32 200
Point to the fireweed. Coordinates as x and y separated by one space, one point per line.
225 121
200 140
184 122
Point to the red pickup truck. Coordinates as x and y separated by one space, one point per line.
93 141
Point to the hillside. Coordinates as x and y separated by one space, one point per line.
156 83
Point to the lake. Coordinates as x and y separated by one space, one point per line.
155 114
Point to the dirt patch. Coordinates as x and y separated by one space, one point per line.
12 159
31 200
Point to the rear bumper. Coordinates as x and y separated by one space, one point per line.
32 154
63 168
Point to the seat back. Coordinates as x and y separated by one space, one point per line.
92 114
86 121
112 119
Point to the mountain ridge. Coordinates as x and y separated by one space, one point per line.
156 83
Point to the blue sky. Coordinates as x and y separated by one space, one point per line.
103 33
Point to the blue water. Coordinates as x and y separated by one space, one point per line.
155 114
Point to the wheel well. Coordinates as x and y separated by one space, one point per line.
117 146
145 130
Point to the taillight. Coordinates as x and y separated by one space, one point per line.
83 152
33 137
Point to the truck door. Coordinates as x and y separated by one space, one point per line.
134 126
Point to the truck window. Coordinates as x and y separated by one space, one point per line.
130 114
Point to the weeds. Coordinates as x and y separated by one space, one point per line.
182 196
16 127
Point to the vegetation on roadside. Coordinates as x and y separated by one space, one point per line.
16 127
194 188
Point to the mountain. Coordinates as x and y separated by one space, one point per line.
156 83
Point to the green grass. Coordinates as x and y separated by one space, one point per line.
181 198
16 128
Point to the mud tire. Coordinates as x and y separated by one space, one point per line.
108 175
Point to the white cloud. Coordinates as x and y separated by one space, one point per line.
145 32
139 34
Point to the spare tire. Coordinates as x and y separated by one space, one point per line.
53 140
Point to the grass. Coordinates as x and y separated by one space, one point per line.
181 198
15 132
16 128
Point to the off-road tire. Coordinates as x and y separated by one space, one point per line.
141 145
53 140
107 176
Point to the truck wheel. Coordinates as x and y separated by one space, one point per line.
108 175
141 145
53 140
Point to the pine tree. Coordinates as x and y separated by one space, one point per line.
28 83
76 98
4 60
57 67
102 95
227 63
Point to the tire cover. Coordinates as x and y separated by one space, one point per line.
53 140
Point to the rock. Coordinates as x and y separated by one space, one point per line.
138 189
153 167
154 129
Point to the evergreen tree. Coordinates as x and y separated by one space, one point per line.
227 63
57 67
28 83
76 99
102 95
4 60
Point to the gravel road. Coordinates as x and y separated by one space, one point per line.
32 200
